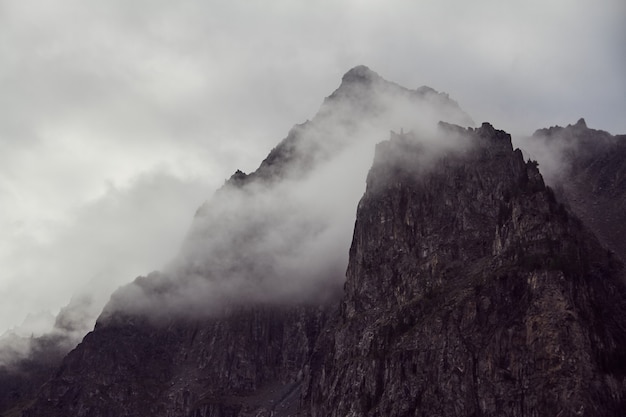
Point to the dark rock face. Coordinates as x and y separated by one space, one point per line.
251 361
20 381
471 292
592 179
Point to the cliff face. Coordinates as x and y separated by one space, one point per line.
471 291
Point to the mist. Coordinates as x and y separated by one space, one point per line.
281 234
112 239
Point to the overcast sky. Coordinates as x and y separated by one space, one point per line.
118 118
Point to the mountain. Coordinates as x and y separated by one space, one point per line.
470 289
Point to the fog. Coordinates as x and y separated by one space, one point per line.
282 234
119 118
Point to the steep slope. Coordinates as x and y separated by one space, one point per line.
471 292
227 328
591 177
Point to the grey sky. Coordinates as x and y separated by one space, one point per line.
119 117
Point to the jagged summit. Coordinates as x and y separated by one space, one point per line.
426 90
238 177
363 99
364 76
360 73
367 92
579 138
574 132
589 172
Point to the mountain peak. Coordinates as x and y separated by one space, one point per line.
360 74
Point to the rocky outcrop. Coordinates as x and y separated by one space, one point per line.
471 292
591 178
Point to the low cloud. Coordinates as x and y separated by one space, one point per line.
282 233
113 238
